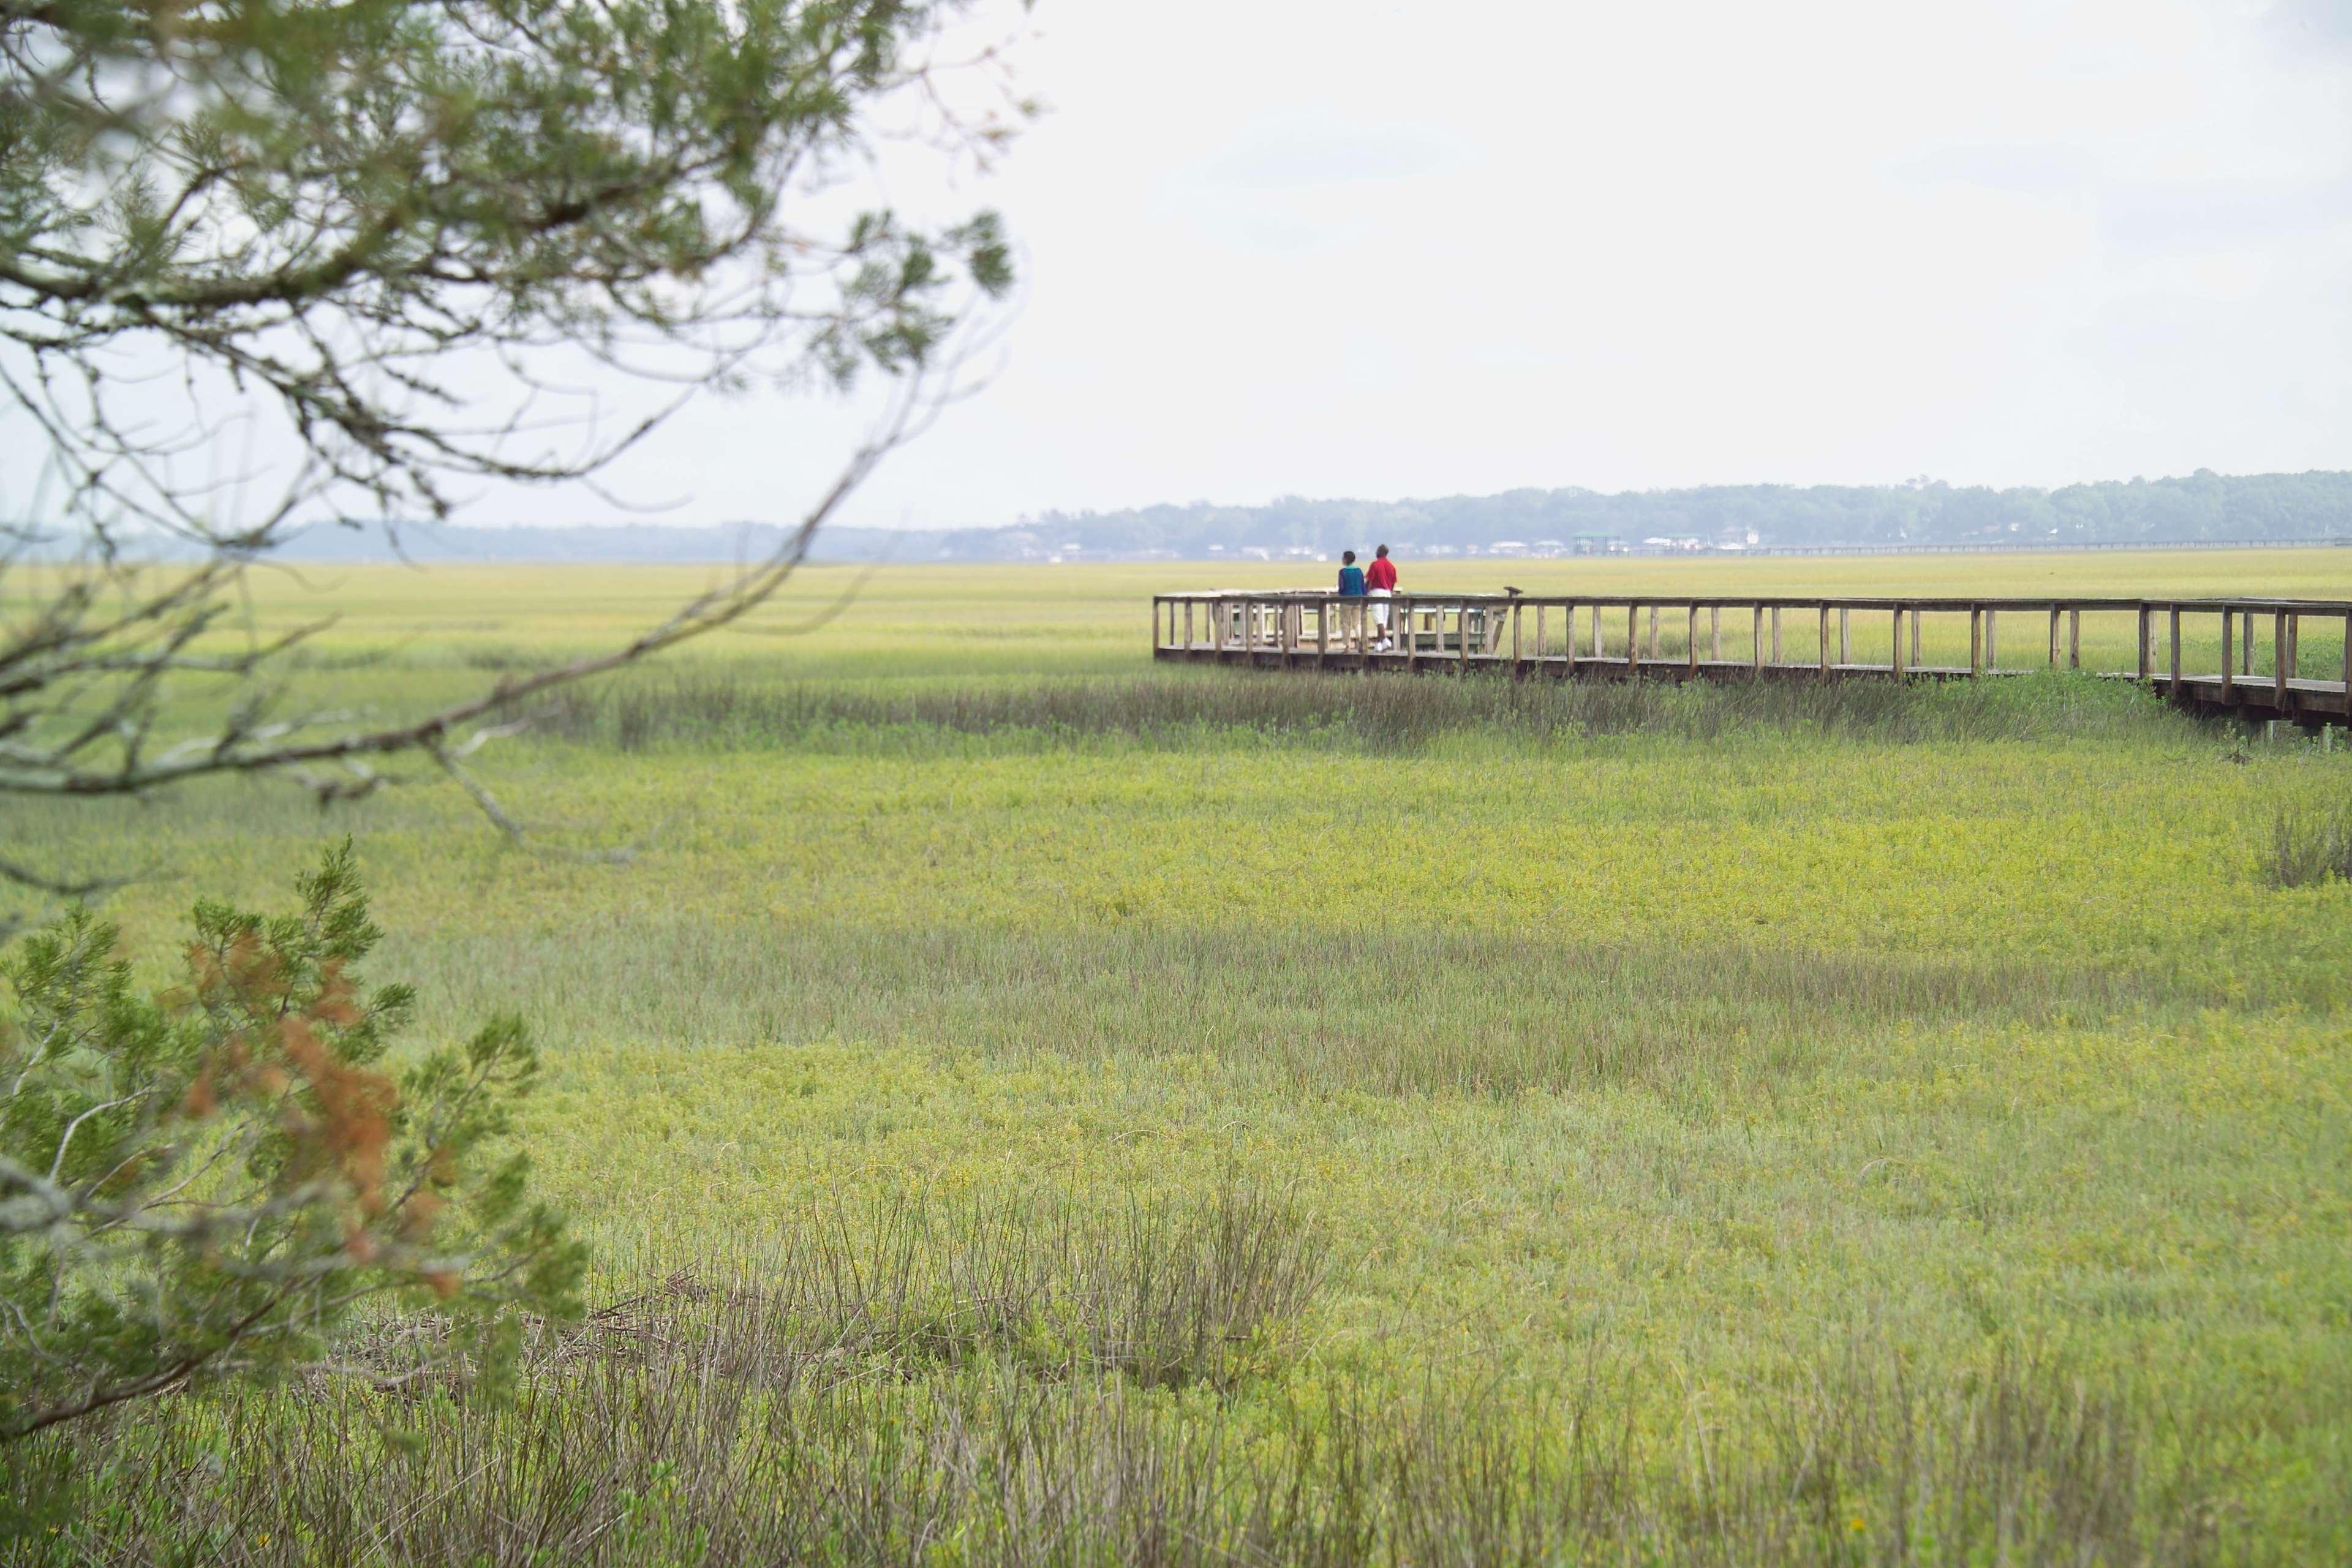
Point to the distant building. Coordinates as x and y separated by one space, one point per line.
1507 547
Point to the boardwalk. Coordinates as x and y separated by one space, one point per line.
2260 659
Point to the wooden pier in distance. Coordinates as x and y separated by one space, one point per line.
2244 657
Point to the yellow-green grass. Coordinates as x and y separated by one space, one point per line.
1025 621
1693 1059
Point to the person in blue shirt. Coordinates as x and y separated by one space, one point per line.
1351 586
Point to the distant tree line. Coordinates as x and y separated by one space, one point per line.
2202 506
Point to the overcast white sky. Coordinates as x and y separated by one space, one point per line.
1459 245
1434 247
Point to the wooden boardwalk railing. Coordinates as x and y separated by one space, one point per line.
2266 658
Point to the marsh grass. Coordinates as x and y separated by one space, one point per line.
708 1439
1031 1106
1169 1293
727 707
1400 1012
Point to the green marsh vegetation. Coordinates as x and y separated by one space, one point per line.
1027 1106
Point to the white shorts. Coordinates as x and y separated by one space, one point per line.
1381 611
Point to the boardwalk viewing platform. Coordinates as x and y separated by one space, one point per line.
2259 659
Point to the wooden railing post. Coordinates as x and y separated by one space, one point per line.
1776 634
2176 653
1516 670
2347 664
2282 653
1690 644
1715 633
1976 640
1460 632
2229 663
1993 646
1755 639
1323 631
2073 640
1411 633
1845 635
2053 636
1825 642
1539 634
1896 666
2146 637
1634 640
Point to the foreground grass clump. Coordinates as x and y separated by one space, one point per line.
2311 845
708 1424
1023 1381
1047 1108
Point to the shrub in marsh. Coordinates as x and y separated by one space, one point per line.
2310 845
208 1183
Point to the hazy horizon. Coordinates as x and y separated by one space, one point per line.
479 520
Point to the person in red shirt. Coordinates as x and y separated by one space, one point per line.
1379 580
